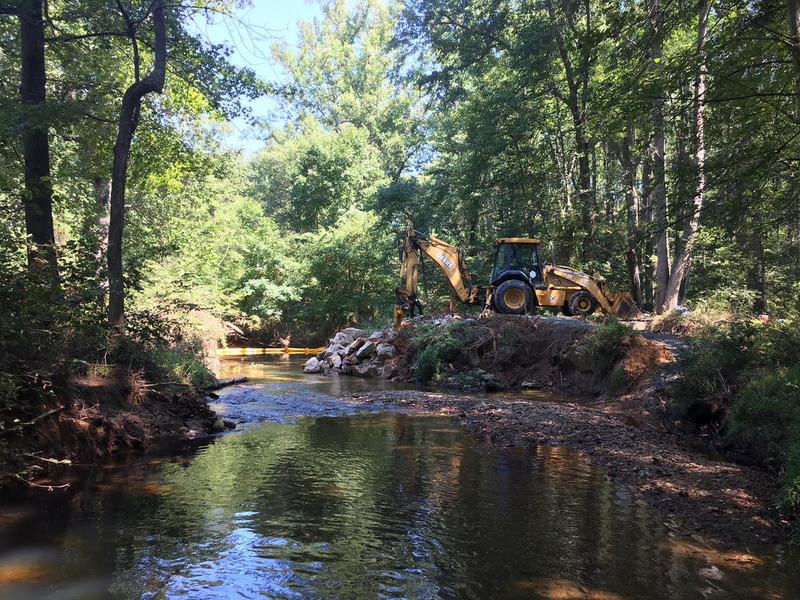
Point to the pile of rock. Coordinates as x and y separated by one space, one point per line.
353 352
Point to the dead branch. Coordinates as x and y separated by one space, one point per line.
52 461
33 421
49 488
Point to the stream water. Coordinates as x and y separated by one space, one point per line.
311 498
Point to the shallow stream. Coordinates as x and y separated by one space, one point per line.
311 498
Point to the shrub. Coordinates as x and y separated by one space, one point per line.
710 367
599 350
434 345
431 345
767 416
738 301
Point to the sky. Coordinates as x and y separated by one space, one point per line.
250 33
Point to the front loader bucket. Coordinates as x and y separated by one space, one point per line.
623 306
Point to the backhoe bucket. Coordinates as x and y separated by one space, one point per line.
623 306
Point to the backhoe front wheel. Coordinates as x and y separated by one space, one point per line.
582 304
512 297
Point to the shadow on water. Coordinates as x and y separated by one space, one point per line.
378 505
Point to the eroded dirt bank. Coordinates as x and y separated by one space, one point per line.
94 417
697 492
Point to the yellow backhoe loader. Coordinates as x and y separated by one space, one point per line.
519 282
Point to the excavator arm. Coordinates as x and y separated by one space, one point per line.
447 257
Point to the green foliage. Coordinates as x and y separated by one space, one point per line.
767 415
600 349
170 346
751 372
433 345
737 301
346 274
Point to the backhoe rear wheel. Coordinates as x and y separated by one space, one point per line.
512 297
582 304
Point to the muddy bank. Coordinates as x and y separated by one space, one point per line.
502 352
697 492
93 417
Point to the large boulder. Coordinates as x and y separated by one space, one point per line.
367 350
385 351
369 369
355 345
312 365
389 370
335 361
353 332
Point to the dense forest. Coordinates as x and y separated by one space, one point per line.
655 142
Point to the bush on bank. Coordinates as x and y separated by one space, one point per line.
743 380
50 333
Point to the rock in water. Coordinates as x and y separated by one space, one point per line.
312 366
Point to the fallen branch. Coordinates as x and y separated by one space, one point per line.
159 383
49 488
221 383
52 461
31 422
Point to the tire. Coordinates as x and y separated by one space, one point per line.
582 304
512 297
565 310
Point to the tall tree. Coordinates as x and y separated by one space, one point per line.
130 113
680 268
793 9
577 74
38 195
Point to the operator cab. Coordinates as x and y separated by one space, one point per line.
517 258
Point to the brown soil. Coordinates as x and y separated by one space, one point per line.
698 492
94 417
539 352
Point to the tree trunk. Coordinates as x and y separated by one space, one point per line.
576 103
659 165
793 9
633 255
684 257
646 222
128 121
102 197
38 198
759 267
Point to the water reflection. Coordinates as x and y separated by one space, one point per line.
382 505
274 371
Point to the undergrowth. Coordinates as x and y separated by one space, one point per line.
432 346
743 379
519 349
602 348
